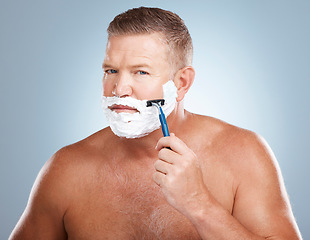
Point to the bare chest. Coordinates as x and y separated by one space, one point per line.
121 206
114 203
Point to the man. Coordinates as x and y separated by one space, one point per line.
207 180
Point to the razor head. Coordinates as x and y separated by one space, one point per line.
159 102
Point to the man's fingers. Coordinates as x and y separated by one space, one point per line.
158 178
162 166
173 142
167 155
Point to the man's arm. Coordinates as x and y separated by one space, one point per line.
261 207
43 216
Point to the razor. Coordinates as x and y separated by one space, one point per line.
158 103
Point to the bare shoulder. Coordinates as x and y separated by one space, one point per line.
246 153
55 188
70 163
86 149
260 198
242 152
242 145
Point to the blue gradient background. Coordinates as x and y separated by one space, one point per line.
252 61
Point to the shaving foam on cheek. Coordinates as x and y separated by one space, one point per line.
143 122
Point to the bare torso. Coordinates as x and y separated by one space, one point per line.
225 185
113 195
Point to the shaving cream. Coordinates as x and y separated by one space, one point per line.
143 122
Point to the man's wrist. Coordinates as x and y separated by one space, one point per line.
198 210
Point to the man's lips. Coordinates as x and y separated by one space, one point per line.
123 108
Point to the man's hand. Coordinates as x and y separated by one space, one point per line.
179 175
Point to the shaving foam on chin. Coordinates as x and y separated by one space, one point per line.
143 122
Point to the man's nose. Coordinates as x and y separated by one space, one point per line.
122 87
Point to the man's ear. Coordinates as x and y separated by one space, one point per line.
183 81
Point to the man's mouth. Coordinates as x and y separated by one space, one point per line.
123 108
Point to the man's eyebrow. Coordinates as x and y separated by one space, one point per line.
140 65
106 65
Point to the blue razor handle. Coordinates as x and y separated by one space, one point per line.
163 122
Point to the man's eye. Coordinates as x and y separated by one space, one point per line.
142 73
110 71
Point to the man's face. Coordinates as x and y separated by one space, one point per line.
135 66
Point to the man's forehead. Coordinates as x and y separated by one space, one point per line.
144 45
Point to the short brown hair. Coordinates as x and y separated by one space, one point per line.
145 20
